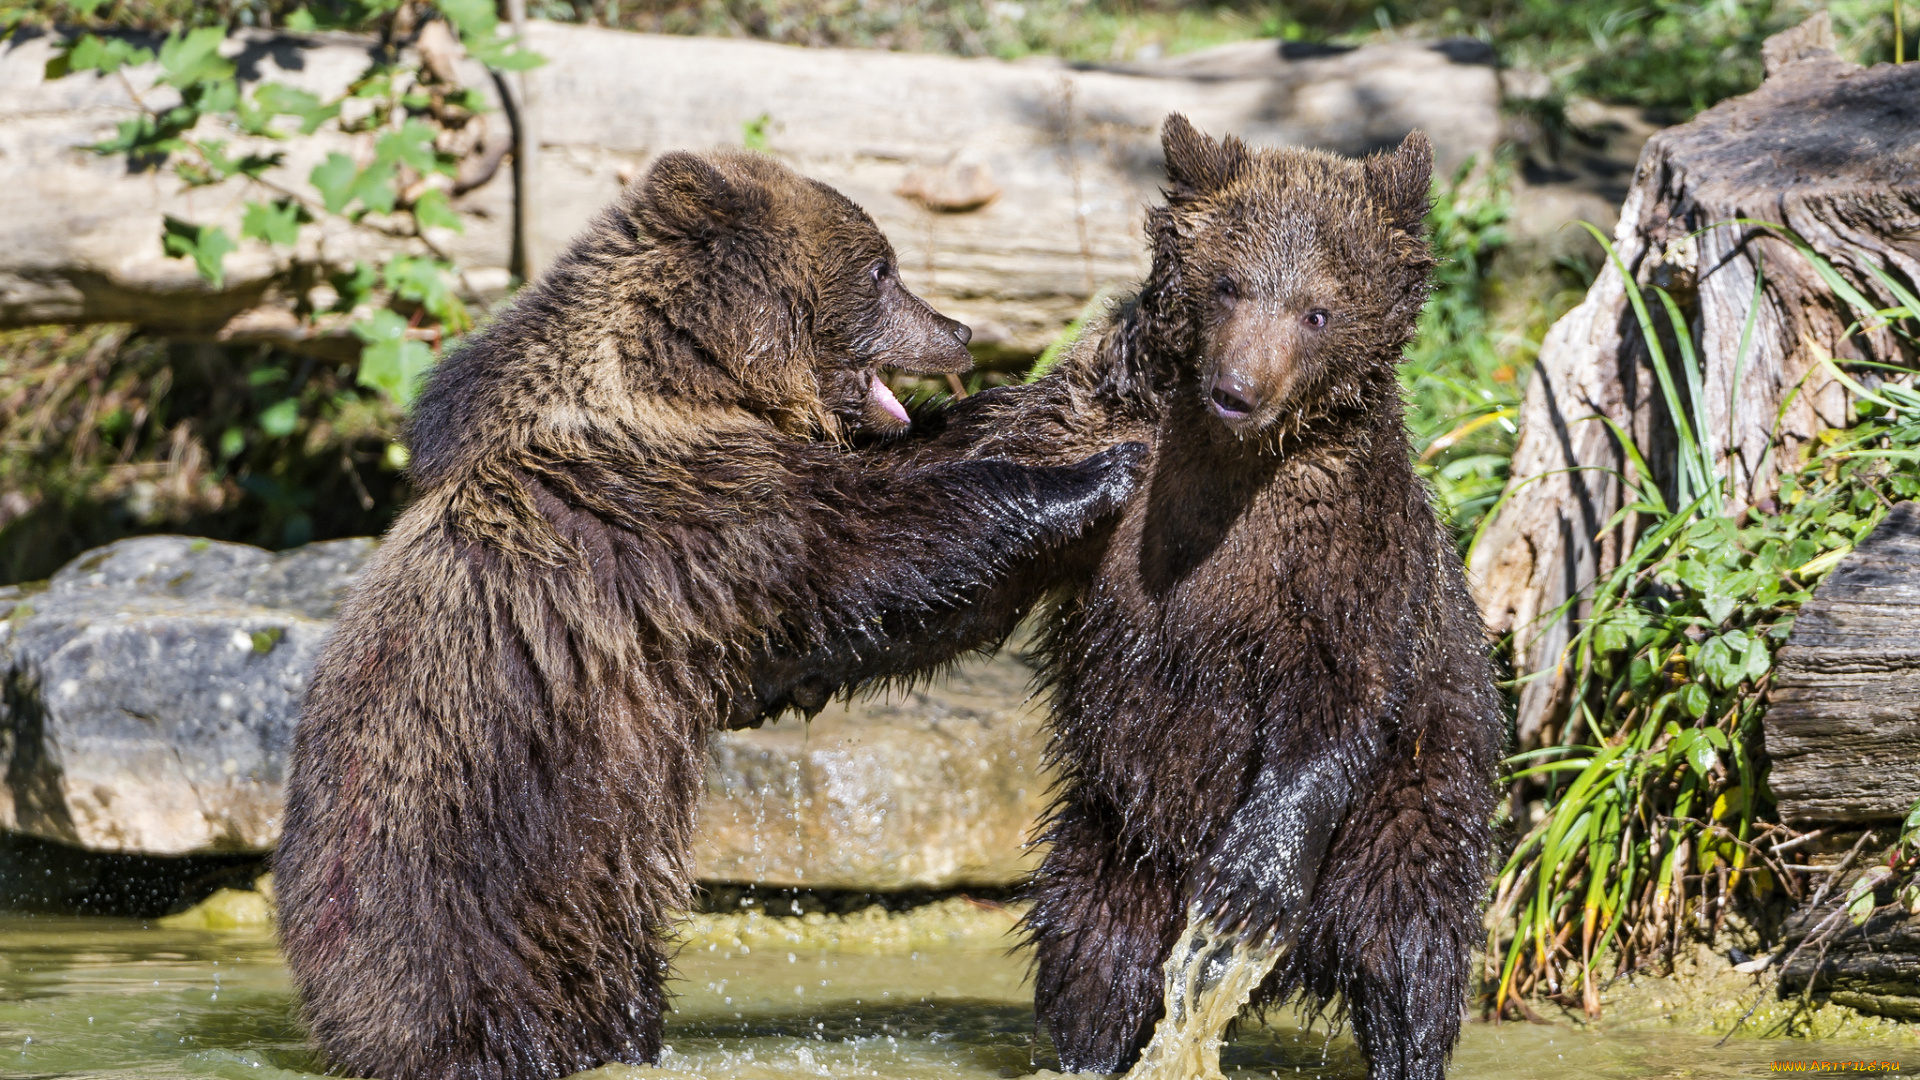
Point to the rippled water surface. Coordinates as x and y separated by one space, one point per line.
115 998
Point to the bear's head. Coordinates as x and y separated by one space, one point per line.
1288 281
788 286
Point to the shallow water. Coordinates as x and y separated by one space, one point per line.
93 997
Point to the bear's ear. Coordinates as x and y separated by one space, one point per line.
1402 182
1196 165
685 195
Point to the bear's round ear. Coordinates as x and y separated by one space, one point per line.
1402 182
686 195
1196 165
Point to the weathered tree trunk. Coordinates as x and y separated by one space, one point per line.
1054 163
1824 147
1843 725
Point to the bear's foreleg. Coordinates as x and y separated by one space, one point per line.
1397 913
1104 917
913 569
1262 872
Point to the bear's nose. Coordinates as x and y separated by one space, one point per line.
1232 396
961 331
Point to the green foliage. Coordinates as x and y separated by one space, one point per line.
753 133
207 245
106 433
1461 373
396 187
392 362
1678 55
1656 792
274 222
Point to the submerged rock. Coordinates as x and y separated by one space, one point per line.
152 686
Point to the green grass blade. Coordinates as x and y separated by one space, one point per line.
1703 463
1659 357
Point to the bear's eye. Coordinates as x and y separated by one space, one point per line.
881 271
1315 318
1226 288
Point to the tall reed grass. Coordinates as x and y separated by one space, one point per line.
1655 819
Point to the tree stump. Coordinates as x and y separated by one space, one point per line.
1843 722
1824 147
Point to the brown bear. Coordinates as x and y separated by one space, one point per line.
1272 706
631 485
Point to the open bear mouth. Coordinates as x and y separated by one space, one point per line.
880 395
1230 406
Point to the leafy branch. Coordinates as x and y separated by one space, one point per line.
406 115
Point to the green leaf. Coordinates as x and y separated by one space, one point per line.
374 187
278 420
432 211
391 363
354 286
411 144
333 178
276 223
1719 606
1701 755
194 57
1694 700
206 245
1860 903
278 99
1716 661
425 282
91 53
213 97
232 441
501 54
470 16
753 133
301 21
1759 660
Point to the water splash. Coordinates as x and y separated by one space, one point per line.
1210 979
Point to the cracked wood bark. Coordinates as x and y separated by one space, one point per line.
1843 720
1827 148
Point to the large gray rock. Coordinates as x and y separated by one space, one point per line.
151 689
1056 162
934 788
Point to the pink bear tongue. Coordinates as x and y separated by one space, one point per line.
884 398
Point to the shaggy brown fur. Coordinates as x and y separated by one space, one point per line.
1272 706
625 484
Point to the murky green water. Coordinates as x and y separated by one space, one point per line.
91 997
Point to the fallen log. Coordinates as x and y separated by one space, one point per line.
1843 720
1826 148
1054 162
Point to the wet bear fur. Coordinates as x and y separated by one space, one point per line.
632 487
1272 706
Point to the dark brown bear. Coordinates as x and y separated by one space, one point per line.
625 484
1272 706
